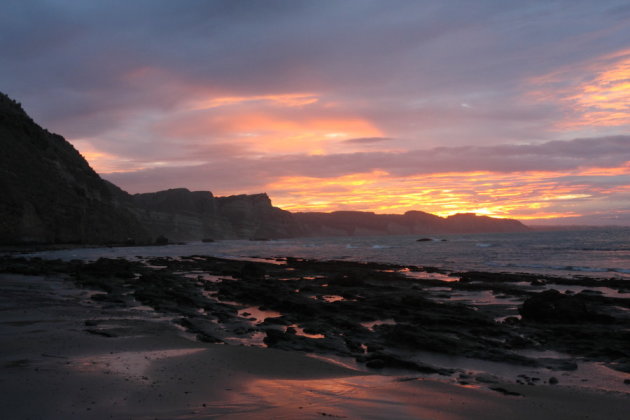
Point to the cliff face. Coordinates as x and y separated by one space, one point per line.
180 214
254 217
177 214
49 193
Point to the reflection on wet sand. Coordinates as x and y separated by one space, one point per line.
132 364
66 357
361 397
379 397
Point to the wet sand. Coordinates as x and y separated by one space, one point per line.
52 367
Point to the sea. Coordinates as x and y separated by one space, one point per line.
593 252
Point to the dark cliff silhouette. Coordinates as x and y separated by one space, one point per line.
180 214
412 222
50 194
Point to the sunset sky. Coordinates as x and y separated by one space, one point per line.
506 108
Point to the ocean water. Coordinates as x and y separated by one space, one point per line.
603 253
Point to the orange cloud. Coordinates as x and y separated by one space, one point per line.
103 162
109 163
287 100
596 94
269 132
622 170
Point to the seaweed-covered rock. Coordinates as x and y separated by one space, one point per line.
551 306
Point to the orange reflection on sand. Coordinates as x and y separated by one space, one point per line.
525 195
366 396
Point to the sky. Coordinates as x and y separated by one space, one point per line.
515 109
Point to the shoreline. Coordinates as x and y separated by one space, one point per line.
513 253
116 310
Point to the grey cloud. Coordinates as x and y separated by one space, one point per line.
62 57
551 156
250 175
606 181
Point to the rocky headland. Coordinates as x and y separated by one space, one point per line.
51 195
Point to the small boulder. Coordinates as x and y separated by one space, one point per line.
251 271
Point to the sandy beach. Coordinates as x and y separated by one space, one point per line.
54 365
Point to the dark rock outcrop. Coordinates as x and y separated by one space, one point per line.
551 306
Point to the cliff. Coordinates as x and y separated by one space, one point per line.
354 223
49 193
180 214
471 223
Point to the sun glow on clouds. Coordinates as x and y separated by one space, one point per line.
596 94
521 195
273 126
103 162
268 124
288 100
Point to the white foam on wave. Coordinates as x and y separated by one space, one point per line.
483 245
